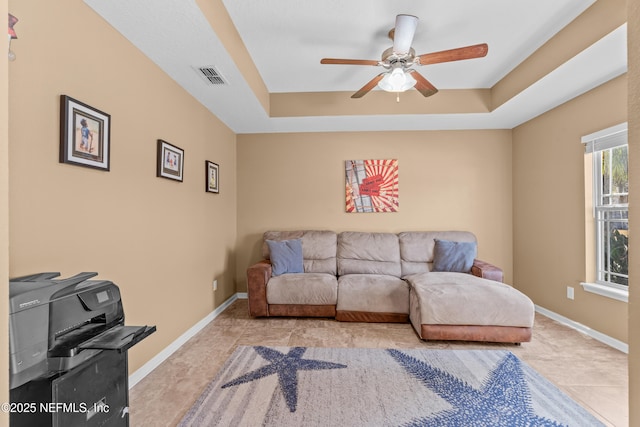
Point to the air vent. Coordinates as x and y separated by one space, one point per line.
211 75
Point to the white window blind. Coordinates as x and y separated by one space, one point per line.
614 136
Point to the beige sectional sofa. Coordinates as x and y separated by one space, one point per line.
388 277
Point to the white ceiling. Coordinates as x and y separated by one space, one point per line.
296 35
287 39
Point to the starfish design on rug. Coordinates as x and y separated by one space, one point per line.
286 366
502 400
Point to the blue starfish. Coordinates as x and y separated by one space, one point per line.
502 400
286 366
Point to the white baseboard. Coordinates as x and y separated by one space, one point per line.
146 369
606 339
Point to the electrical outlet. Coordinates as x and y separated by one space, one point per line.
569 292
215 285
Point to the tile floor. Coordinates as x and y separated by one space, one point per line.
592 373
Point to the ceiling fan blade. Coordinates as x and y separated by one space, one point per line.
349 61
423 85
468 52
366 88
403 33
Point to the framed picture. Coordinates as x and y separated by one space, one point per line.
170 161
212 177
84 134
372 185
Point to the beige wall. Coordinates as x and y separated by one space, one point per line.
447 180
634 212
162 242
549 206
4 223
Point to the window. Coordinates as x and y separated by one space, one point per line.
608 151
612 216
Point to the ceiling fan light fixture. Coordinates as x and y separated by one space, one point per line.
397 81
398 60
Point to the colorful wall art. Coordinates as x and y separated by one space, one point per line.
372 185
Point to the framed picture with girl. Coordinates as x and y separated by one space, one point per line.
84 134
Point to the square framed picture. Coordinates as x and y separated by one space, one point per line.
372 185
212 177
170 162
84 134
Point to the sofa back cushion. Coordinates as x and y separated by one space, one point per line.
318 248
417 248
368 253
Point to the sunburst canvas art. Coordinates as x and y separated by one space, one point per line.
372 185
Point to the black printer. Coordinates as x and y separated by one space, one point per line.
68 351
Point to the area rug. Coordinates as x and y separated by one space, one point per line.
300 386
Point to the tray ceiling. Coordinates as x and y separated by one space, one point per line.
285 40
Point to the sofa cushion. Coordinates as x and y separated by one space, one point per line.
454 256
318 248
373 293
303 288
368 253
286 256
444 298
417 247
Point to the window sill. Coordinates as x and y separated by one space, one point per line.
606 291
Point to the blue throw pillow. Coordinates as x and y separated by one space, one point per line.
286 256
454 256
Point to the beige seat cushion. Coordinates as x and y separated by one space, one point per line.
374 293
303 288
443 298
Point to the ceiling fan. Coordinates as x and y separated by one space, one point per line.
399 60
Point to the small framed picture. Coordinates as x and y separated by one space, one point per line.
170 161
212 177
84 134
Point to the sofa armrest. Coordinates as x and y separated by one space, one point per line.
257 277
487 271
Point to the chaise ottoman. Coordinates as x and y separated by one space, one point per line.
454 306
469 304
